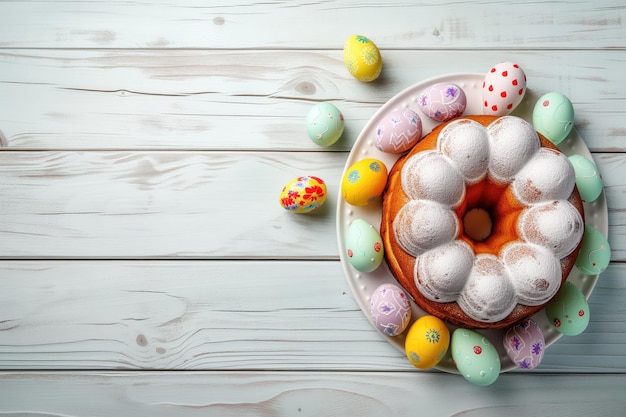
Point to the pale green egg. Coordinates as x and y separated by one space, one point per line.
588 178
324 124
595 252
568 311
553 116
475 357
364 246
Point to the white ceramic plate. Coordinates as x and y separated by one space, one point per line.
362 284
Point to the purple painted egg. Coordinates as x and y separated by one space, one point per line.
398 131
442 101
390 309
525 344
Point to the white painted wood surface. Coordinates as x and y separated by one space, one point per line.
145 265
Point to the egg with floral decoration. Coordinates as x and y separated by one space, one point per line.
364 181
390 309
524 344
362 58
427 342
442 101
303 194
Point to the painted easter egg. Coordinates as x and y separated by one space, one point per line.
442 101
568 311
427 342
364 246
390 309
303 194
362 58
595 252
525 344
553 116
588 179
364 182
324 124
398 131
503 89
475 357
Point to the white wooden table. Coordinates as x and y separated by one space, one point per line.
146 267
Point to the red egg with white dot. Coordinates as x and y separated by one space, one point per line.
503 89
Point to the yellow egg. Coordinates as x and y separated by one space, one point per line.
303 194
364 182
362 58
427 342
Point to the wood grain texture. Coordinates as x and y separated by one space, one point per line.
312 24
176 204
232 315
316 394
258 100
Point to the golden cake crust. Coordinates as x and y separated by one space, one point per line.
402 264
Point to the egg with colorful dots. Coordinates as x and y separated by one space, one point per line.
524 344
553 116
364 182
362 58
324 124
303 194
568 311
390 309
427 342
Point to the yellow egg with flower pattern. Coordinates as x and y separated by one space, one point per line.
303 194
427 342
362 58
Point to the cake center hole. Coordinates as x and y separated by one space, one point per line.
477 224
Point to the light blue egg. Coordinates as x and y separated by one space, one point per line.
595 252
588 179
553 116
324 124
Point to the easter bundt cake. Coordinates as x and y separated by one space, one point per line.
482 221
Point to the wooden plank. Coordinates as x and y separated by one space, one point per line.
258 100
311 25
209 205
317 394
232 315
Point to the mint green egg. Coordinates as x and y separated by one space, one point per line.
553 116
324 124
588 178
475 357
568 311
595 252
364 246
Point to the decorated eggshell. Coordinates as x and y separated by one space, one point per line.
442 101
588 178
475 357
364 246
398 131
427 342
390 309
553 116
362 58
303 194
324 124
364 181
503 89
525 344
595 252
568 311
